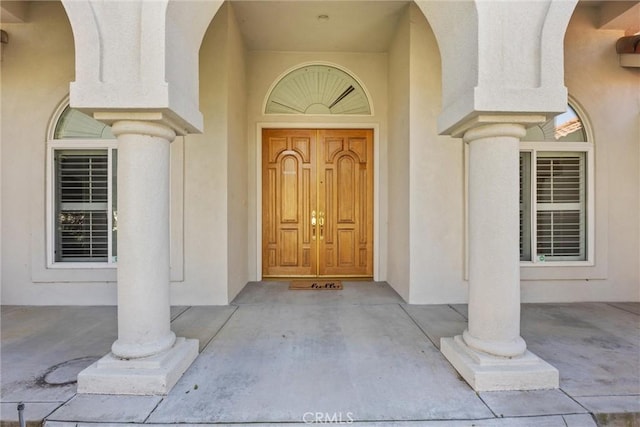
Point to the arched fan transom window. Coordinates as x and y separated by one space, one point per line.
318 89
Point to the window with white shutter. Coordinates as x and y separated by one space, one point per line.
555 191
82 205
560 207
83 210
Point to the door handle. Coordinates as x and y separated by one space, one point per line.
321 224
313 225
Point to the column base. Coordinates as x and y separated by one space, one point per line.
484 372
154 375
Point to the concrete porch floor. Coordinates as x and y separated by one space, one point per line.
359 354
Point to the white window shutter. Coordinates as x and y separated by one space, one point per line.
525 206
81 205
560 207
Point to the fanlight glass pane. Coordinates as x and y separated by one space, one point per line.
318 89
565 127
74 124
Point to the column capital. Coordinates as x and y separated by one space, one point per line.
495 130
139 127
149 117
486 119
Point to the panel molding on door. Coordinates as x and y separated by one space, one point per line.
317 202
345 196
288 197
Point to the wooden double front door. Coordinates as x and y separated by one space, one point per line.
317 202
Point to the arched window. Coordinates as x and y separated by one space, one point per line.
556 192
74 124
81 191
318 89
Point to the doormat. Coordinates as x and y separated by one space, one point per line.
316 285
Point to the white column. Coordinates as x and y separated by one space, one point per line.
143 239
490 354
147 358
494 261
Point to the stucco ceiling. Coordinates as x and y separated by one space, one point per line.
361 25
352 26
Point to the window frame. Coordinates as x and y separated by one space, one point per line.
76 144
587 148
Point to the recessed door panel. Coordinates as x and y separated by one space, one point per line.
345 193
317 202
288 192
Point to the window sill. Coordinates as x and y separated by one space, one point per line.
562 270
552 264
82 265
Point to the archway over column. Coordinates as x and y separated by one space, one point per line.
121 66
483 65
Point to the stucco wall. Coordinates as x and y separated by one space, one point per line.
237 207
608 96
426 237
37 68
399 258
206 178
215 173
437 192
419 222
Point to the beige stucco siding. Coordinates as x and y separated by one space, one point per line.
216 174
36 70
437 192
419 175
398 261
608 96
